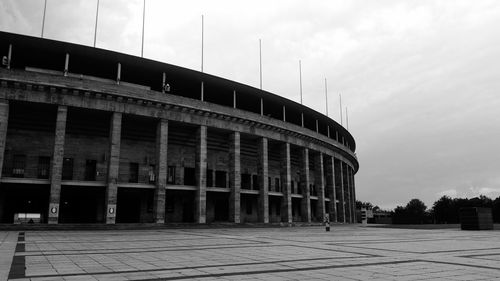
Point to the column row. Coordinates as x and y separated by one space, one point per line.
326 183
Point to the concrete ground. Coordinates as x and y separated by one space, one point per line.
295 253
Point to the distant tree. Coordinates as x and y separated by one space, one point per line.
416 211
496 209
481 201
399 215
413 213
366 205
444 210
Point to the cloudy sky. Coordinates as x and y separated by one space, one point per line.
421 79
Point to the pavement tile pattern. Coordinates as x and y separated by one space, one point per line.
348 252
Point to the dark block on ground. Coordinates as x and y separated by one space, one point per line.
474 218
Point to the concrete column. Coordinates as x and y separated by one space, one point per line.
348 194
343 195
4 121
262 171
304 186
57 163
353 194
319 180
339 191
201 175
161 170
234 177
286 179
330 186
113 166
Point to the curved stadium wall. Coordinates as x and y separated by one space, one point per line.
93 136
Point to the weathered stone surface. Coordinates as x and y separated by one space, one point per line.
234 178
320 186
286 177
161 171
304 186
57 164
113 167
201 175
4 121
263 172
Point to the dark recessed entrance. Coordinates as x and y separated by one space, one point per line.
82 204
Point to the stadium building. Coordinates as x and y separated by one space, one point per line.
93 136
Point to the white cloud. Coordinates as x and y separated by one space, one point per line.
420 78
453 193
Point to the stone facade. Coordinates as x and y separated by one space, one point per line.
77 149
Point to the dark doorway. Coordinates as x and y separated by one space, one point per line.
179 206
217 206
296 209
314 210
81 204
23 199
188 211
275 209
134 205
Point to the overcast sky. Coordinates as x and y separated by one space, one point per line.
421 79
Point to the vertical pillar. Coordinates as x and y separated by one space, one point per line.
262 170
319 180
57 163
353 196
234 177
4 121
163 82
342 188
286 179
348 193
9 56
330 186
113 167
339 190
66 65
201 175
202 92
304 186
161 170
118 73
352 202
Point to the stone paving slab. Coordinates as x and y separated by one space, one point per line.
348 252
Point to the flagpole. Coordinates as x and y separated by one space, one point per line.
326 97
346 118
43 20
96 18
202 30
300 80
340 97
260 62
143 21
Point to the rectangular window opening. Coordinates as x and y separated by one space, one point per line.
43 167
90 169
18 165
221 179
133 172
67 171
171 175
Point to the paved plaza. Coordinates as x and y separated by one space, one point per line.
288 253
